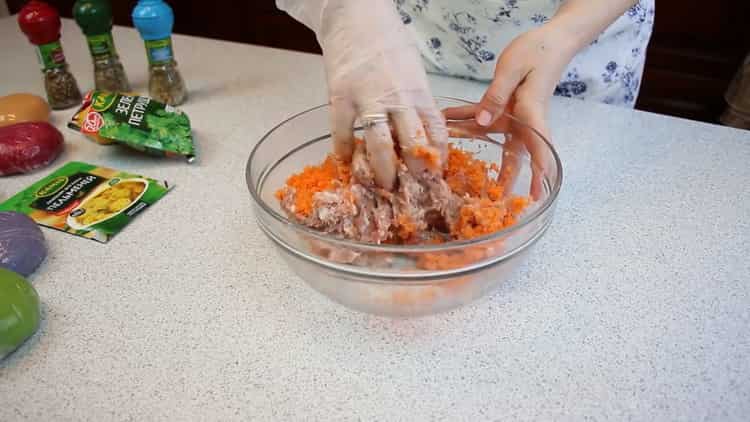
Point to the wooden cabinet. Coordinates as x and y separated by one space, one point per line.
255 22
695 49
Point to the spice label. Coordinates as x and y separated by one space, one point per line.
87 200
127 109
101 46
51 55
159 51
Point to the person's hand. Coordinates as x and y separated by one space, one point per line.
375 75
526 74
520 141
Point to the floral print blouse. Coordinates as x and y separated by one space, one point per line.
464 38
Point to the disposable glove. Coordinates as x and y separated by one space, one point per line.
375 75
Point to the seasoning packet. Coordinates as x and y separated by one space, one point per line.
87 200
135 121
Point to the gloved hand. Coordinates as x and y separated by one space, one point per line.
373 69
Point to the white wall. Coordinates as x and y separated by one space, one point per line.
3 8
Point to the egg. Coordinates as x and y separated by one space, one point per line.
19 108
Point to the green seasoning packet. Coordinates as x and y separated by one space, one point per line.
86 200
137 122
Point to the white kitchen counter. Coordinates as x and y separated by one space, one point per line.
634 305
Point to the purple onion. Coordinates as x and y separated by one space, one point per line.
22 246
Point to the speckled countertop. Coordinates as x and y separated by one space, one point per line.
635 305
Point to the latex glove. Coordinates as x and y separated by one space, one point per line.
373 67
526 74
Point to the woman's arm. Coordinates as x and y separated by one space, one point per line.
528 70
583 20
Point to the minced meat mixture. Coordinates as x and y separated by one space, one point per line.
342 199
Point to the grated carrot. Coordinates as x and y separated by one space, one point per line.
406 229
428 154
468 175
495 192
518 204
313 179
479 220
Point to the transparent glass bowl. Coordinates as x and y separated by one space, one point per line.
400 280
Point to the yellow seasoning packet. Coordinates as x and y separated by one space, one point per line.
87 200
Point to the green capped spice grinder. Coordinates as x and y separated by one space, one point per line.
94 17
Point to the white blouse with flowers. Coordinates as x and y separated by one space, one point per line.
464 38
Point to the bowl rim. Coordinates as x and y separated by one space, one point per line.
362 246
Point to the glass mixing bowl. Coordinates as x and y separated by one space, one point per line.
401 280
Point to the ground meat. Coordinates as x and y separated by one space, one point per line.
361 171
369 227
333 212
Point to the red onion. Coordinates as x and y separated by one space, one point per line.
22 246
